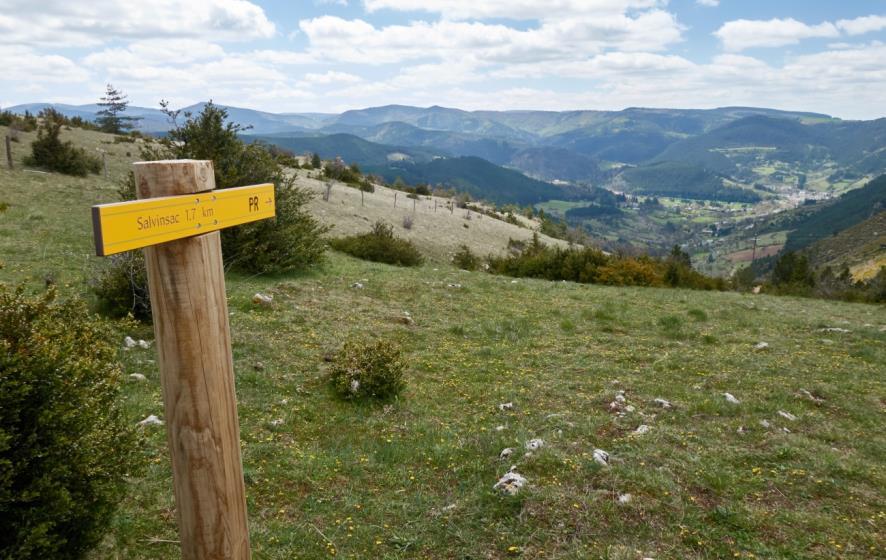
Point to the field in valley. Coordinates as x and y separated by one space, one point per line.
794 470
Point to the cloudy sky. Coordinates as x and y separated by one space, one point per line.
332 55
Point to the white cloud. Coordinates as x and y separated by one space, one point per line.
155 51
64 22
22 64
742 34
358 41
708 3
330 77
512 9
862 25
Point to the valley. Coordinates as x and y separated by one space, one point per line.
702 179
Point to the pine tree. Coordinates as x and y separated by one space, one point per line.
109 119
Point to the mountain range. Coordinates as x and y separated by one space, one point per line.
715 154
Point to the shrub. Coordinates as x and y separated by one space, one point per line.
49 152
121 286
630 272
380 245
407 222
368 370
293 239
65 446
465 259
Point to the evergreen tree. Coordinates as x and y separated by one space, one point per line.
109 119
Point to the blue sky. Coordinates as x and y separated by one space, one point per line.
333 55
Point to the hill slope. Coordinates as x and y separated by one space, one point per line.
684 180
413 477
850 209
475 176
352 149
861 247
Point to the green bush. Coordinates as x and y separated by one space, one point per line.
590 265
49 152
368 370
465 259
380 245
65 446
290 241
121 286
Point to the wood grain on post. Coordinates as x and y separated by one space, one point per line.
187 287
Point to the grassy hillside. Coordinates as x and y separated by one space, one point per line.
851 208
862 247
436 229
413 478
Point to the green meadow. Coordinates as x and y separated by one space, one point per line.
413 477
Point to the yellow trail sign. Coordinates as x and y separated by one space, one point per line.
123 226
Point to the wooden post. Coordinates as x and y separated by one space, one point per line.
9 151
395 199
414 200
187 287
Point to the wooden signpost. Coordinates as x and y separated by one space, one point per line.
177 222
9 151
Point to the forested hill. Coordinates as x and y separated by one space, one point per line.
848 210
475 176
684 180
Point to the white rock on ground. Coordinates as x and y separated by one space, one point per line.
535 444
500 428
625 498
641 429
506 453
144 344
811 397
511 482
506 406
765 424
262 299
277 422
787 415
129 342
730 398
761 346
151 420
601 457
137 377
835 329
357 285
663 403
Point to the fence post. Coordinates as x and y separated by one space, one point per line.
187 287
9 151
